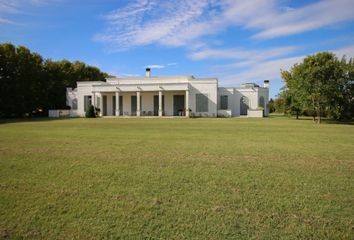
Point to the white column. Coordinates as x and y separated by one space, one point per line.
101 105
94 99
187 103
160 103
138 104
117 104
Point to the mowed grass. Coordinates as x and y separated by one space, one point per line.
273 178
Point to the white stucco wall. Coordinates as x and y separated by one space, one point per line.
169 86
208 87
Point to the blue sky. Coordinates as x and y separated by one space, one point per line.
236 41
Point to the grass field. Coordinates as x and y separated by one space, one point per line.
176 179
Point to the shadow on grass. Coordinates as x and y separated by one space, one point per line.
29 119
344 122
308 118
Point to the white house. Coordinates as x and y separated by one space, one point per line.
168 96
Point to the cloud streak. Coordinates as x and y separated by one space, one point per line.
269 69
186 22
9 8
233 53
159 66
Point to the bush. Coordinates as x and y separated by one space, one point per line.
90 113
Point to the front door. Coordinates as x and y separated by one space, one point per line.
178 105
156 105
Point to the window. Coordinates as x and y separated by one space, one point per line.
224 102
201 102
74 104
261 102
244 105
98 104
87 102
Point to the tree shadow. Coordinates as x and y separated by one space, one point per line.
30 119
343 122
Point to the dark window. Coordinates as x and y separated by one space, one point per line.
156 104
74 104
104 105
87 102
134 105
178 105
261 102
244 105
224 102
201 102
114 105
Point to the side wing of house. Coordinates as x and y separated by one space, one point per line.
203 97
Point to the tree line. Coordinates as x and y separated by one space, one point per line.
321 86
31 85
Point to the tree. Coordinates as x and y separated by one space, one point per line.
319 83
30 84
271 105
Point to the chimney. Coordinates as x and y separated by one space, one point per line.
266 84
148 72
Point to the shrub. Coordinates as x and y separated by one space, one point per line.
90 113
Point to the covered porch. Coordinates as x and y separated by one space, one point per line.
158 101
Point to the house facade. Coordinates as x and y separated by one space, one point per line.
167 96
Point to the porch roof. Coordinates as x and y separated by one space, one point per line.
144 87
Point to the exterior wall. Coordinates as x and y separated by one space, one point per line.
235 95
255 113
83 89
71 95
207 87
229 92
264 92
150 86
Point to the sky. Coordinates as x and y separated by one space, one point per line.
236 41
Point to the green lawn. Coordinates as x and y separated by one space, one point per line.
176 179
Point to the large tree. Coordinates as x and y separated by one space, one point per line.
29 83
321 83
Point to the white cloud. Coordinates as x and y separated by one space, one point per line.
15 7
185 22
128 27
155 66
314 16
269 69
348 51
256 54
158 66
262 70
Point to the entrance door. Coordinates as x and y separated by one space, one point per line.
178 104
104 105
156 105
